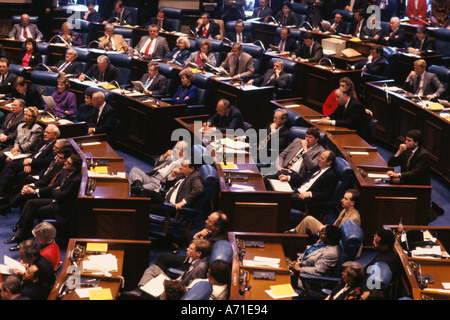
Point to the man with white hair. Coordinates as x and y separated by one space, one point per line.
104 118
69 65
103 71
25 30
396 37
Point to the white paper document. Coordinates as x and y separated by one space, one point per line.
259 261
101 263
9 265
378 175
155 287
278 185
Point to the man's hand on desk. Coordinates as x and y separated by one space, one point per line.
283 177
326 121
392 174
431 96
81 77
149 93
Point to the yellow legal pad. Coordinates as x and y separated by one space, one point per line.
100 169
229 165
96 247
100 294
282 290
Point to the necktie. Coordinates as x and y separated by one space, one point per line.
205 32
148 48
63 66
282 45
149 81
101 76
54 178
357 28
237 67
3 78
259 13
11 121
173 189
294 160
284 20
50 167
409 160
25 34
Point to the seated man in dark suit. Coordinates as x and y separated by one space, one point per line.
286 17
275 77
372 34
25 30
54 201
285 42
103 71
374 64
350 114
309 50
69 65
396 37
337 25
422 42
316 187
301 157
227 117
120 15
161 21
239 35
104 118
154 83
413 159
16 171
263 11
21 90
6 78
358 23
195 266
423 83
207 28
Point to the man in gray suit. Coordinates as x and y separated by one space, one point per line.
238 63
25 30
423 83
321 257
301 157
142 181
9 126
152 46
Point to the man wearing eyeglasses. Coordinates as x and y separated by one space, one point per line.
69 66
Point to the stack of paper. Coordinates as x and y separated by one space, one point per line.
230 143
262 262
155 287
278 185
100 263
9 266
281 291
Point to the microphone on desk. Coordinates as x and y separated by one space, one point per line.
227 40
61 38
385 88
93 41
212 67
118 86
45 66
193 33
273 19
259 42
92 79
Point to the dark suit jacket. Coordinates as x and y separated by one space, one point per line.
234 120
199 271
246 36
354 25
31 97
166 25
371 34
266 79
158 85
107 121
42 159
181 57
291 19
418 171
353 117
111 73
212 32
75 67
7 84
340 28
35 59
428 43
126 17
304 52
189 190
322 189
10 131
397 39
377 67
289 46
266 12
64 191
431 84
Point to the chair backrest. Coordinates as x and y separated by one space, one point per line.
15 19
202 290
202 82
43 49
127 34
381 274
392 57
221 251
125 63
199 152
18 70
443 74
345 175
290 67
257 53
84 57
174 15
299 8
44 82
216 48
108 94
294 119
442 36
385 26
230 26
83 27
300 132
209 177
134 15
170 72
351 241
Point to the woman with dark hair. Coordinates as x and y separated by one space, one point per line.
349 288
65 100
187 92
91 14
85 110
203 56
29 56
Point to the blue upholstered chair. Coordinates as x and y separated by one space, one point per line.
108 94
442 37
257 53
84 57
290 67
351 241
127 34
301 11
125 63
174 15
347 18
134 15
195 211
43 49
18 70
15 19
443 74
216 48
300 132
84 28
44 82
202 82
391 56
202 290
171 73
